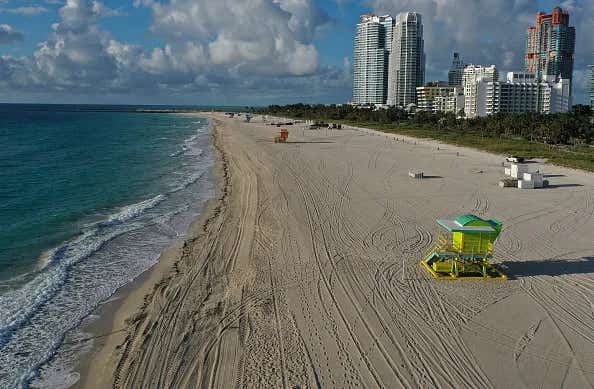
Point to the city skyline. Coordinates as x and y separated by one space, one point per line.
191 52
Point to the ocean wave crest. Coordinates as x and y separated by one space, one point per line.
128 212
74 278
18 305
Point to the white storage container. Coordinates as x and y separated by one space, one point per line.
537 178
525 184
518 169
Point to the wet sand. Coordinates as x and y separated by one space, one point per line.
305 273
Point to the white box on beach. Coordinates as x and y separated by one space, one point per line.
518 169
525 184
537 178
508 171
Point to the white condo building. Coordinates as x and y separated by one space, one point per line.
472 75
373 41
523 92
407 60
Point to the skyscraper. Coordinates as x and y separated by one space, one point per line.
407 60
372 49
456 72
550 45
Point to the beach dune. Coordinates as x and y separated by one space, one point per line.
305 273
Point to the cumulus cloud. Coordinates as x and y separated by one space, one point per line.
9 34
488 31
75 54
211 47
306 20
252 36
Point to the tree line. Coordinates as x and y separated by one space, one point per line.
570 128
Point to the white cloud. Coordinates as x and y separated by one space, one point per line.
9 34
225 49
306 19
347 67
27 10
252 36
101 10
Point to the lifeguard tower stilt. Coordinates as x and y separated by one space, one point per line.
465 252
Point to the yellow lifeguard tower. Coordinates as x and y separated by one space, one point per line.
466 249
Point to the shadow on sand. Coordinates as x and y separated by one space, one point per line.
552 186
294 143
431 177
554 267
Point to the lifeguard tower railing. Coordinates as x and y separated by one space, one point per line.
445 246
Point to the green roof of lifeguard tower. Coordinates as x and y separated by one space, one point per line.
470 223
468 218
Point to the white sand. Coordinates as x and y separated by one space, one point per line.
308 274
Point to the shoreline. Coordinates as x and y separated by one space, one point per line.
108 330
307 271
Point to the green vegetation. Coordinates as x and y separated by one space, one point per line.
564 139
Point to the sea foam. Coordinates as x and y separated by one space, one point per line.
79 274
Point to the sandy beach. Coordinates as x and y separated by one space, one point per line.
304 272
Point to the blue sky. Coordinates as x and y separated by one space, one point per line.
241 52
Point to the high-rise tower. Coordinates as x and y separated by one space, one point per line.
407 60
456 72
550 45
372 49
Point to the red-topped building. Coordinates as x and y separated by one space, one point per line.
550 45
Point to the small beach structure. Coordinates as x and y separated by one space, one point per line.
516 170
464 250
282 137
416 174
522 178
532 181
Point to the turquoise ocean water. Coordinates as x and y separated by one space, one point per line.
89 197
